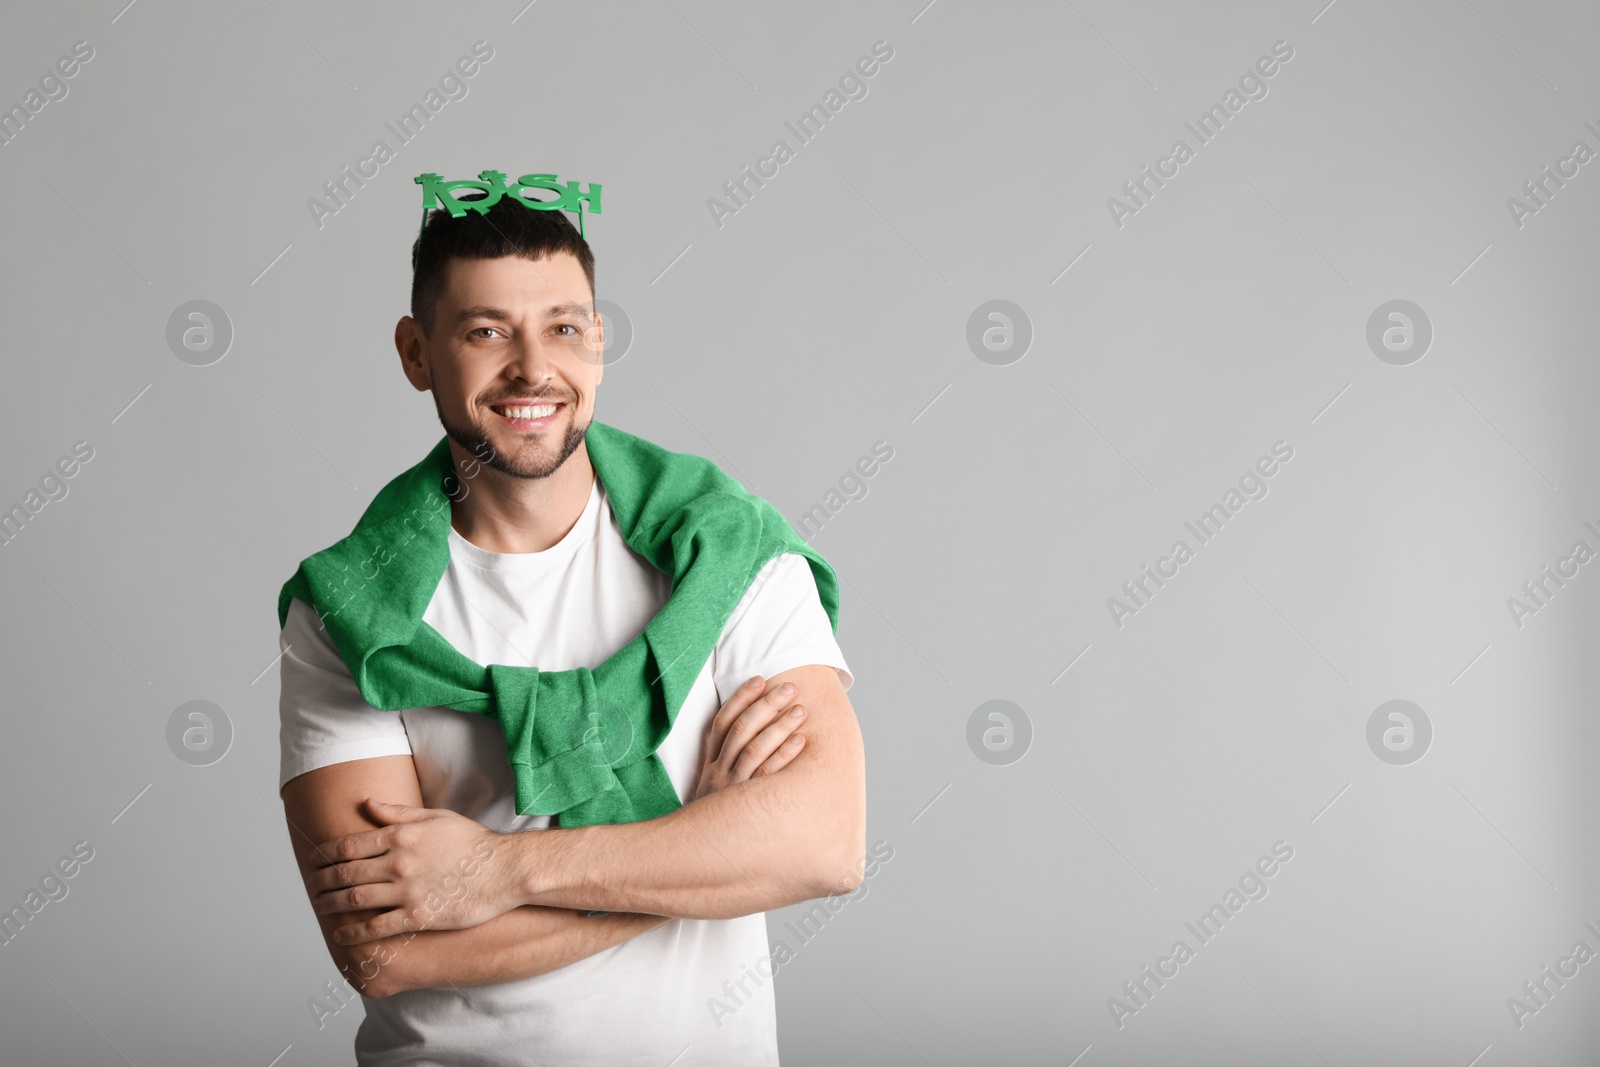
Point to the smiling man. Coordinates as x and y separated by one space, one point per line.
564 715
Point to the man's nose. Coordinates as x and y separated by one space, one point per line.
532 361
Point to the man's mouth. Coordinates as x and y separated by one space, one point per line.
526 416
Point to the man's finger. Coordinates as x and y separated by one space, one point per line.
766 743
360 845
389 924
348 875
752 721
780 759
356 933
385 812
778 699
729 714
359 898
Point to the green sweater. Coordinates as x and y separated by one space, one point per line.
582 742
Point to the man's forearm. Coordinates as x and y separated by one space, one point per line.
521 943
759 844
748 848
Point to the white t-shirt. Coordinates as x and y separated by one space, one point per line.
646 1000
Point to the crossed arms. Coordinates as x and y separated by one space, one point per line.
428 897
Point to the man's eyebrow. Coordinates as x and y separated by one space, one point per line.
570 308
488 311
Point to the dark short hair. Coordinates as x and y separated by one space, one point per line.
507 229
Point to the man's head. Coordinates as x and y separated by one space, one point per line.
502 321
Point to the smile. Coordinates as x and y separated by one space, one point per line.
527 417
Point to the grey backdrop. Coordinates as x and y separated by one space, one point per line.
1174 342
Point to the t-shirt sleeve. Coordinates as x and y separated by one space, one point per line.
779 625
322 717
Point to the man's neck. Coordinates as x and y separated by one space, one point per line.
498 512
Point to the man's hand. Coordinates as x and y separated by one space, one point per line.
756 845
434 868
753 734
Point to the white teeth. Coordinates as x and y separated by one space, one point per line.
538 412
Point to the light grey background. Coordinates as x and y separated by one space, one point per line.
830 313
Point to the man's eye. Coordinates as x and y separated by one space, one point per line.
568 326
480 329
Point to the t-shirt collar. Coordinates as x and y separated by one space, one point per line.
557 555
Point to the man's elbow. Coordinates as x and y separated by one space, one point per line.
825 865
843 881
842 861
372 969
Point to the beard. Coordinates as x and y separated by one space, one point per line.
532 463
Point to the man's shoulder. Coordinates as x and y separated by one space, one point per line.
637 463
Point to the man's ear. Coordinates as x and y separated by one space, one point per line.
408 342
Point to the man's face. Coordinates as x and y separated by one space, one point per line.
512 337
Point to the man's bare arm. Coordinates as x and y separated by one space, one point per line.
746 740
522 943
761 844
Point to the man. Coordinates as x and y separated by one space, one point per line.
472 938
